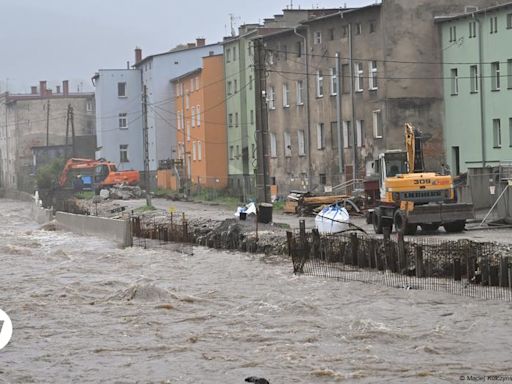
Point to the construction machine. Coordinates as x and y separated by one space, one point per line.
411 197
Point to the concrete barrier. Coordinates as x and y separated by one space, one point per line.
16 195
112 229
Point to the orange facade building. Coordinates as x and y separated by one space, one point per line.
201 124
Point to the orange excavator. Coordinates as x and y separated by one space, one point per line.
88 174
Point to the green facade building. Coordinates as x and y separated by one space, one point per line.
240 111
477 84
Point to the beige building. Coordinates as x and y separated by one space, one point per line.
25 121
327 113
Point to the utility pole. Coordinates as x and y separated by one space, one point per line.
72 118
338 114
67 132
48 123
146 145
260 86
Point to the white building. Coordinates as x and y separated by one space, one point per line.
155 72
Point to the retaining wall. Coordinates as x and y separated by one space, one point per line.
112 229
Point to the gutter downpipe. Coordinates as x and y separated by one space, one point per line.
308 113
352 95
482 103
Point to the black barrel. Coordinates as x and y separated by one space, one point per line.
265 213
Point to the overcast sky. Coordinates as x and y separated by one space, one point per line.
56 40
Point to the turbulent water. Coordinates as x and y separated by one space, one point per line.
85 311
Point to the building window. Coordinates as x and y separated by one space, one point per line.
286 95
344 31
472 29
299 48
300 92
88 106
359 28
235 83
199 151
331 34
270 57
250 82
273 145
319 84
494 24
228 55
495 76
473 74
373 75
453 33
236 119
334 82
360 133
237 152
187 101
509 73
193 116
234 53
194 151
230 87
372 26
287 145
496 132
323 179
317 38
359 77
334 134
198 116
320 136
509 21
378 128
454 81
188 130
230 120
253 150
250 48
510 131
285 52
301 143
231 152
271 98
123 153
345 78
121 89
123 122
346 134
252 116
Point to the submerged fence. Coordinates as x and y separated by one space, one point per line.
461 267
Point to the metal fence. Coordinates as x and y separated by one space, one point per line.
462 267
175 230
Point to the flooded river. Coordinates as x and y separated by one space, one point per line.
85 311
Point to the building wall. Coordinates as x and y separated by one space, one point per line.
214 126
157 72
109 105
24 125
463 112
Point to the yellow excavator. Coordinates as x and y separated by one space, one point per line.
410 196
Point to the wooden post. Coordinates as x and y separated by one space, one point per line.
457 272
484 267
470 266
354 241
371 254
401 259
316 243
289 236
419 262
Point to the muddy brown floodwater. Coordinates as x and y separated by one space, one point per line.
85 311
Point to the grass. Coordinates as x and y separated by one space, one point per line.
145 208
84 195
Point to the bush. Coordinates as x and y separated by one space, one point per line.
47 176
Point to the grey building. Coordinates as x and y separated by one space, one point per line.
38 119
341 87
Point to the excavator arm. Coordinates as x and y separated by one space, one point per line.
414 147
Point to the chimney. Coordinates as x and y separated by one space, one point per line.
191 45
200 42
138 55
65 87
58 89
33 90
127 65
42 88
